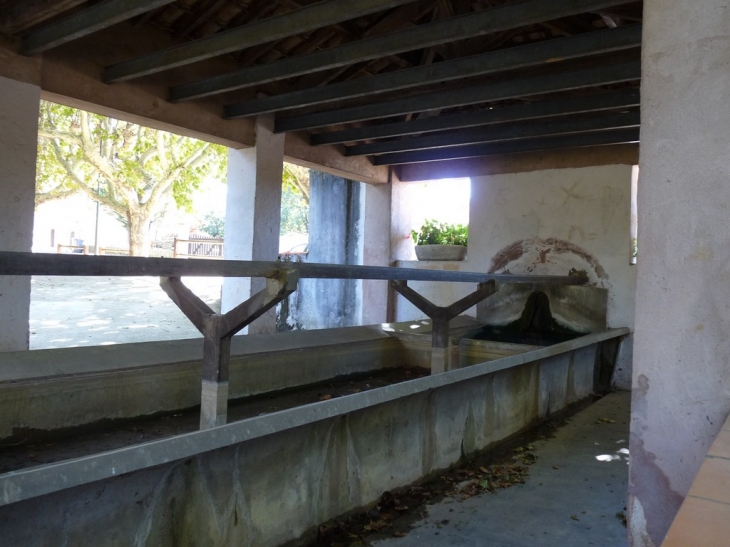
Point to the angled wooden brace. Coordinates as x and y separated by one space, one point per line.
218 329
440 317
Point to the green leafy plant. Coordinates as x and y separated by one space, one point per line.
438 233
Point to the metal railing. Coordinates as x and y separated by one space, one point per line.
282 279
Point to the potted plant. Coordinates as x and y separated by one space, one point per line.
440 241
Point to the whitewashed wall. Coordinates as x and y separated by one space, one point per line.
548 222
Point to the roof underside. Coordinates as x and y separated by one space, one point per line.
397 81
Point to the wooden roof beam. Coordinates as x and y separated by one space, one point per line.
543 109
618 136
326 12
502 132
500 90
86 22
478 65
431 34
18 16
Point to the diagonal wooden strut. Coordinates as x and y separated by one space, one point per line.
440 317
218 329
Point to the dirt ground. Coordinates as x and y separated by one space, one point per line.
90 311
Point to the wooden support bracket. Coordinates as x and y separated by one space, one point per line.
218 329
440 317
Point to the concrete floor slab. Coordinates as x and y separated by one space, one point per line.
70 312
572 497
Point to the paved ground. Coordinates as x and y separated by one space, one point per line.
572 497
90 311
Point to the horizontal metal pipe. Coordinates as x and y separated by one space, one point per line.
124 266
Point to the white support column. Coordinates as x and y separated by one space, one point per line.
681 375
253 214
19 104
375 240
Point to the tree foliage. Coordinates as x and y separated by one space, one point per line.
127 168
296 180
213 224
295 199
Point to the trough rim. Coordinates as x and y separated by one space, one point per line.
42 480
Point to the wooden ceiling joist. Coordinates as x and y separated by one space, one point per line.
86 22
543 109
502 132
500 90
19 16
477 65
440 32
599 138
326 12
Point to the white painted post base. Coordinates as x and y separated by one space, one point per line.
213 404
440 361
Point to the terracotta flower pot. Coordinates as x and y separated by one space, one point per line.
440 252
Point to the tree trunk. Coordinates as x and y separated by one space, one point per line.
139 244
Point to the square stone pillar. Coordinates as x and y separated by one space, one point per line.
19 105
375 241
681 376
253 214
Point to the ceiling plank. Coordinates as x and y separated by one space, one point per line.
500 90
86 22
502 132
520 112
326 12
477 65
431 34
580 140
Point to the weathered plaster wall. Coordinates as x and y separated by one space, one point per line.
375 243
335 234
681 377
18 143
253 214
548 222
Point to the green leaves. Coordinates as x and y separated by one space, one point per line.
128 168
438 233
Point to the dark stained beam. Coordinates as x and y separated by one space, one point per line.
86 22
326 12
544 109
423 36
500 90
583 45
18 16
532 145
503 132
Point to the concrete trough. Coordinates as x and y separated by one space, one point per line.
272 479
